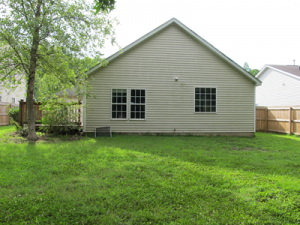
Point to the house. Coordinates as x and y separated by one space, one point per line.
171 81
280 86
12 96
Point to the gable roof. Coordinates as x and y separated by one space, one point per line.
290 70
190 32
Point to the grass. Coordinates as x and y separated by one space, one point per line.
151 180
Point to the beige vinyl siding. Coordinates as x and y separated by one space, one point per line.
153 65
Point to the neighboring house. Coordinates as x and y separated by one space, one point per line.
69 94
171 81
280 86
14 95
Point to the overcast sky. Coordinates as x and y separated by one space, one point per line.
255 31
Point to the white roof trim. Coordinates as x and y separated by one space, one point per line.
192 33
278 70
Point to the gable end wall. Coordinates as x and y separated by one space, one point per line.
278 89
153 65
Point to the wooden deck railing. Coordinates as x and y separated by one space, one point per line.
38 113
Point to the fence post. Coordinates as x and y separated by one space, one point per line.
9 107
266 120
21 112
79 113
291 115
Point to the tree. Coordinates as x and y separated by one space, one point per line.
246 67
253 72
45 39
47 87
104 5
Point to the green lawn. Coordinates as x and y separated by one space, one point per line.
151 180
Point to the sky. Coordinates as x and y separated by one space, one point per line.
258 32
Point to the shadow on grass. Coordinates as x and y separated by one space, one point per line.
264 154
140 179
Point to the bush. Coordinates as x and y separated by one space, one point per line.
23 131
59 117
14 113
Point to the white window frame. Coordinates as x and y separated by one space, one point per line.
216 98
111 103
13 100
129 99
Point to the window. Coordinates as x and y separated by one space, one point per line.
119 104
13 100
137 104
205 99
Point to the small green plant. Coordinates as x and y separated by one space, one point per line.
14 113
23 131
14 119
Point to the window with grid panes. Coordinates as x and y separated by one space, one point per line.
119 104
137 104
205 100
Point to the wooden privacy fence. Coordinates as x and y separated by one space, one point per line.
4 107
38 113
278 119
23 115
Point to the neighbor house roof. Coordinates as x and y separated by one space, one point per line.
190 32
290 70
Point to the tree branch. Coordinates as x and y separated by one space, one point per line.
16 52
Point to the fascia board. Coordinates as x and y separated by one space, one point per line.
261 71
277 70
285 73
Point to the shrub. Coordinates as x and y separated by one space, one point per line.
59 117
14 113
23 131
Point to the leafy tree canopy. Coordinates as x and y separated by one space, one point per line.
46 38
246 67
253 72
104 5
46 88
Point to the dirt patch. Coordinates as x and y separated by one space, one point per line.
247 149
262 150
16 138
242 149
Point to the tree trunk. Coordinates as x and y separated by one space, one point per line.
30 110
31 79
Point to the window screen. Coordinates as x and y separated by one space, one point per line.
137 104
119 104
205 100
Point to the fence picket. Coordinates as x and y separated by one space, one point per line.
278 119
4 107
